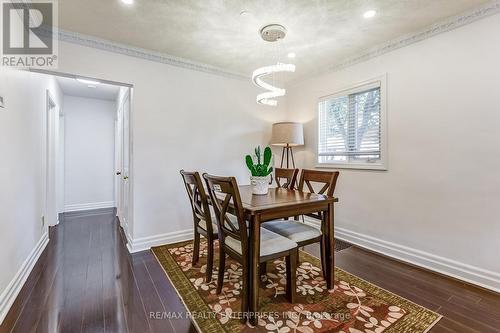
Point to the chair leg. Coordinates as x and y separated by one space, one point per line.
244 294
210 259
323 255
291 275
222 265
196 247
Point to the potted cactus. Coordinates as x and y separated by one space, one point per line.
260 171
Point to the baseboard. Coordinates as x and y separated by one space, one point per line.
145 243
10 293
455 269
88 206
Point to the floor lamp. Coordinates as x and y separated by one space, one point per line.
287 135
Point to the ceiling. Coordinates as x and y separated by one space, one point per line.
72 87
322 33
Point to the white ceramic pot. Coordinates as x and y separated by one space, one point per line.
260 185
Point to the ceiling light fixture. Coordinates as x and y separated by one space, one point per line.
271 33
88 81
266 98
128 2
369 14
291 55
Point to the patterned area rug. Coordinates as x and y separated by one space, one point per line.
353 305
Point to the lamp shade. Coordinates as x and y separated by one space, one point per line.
287 133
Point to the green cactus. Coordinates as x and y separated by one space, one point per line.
260 169
267 156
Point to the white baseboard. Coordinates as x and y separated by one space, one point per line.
88 206
10 293
465 272
145 243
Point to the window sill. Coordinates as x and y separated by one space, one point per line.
364 166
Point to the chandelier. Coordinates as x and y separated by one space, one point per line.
271 33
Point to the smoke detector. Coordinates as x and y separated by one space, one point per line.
273 32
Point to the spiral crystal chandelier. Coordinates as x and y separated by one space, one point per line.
271 33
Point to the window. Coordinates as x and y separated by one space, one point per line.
351 128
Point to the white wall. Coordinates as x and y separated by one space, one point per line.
180 119
441 193
89 153
22 135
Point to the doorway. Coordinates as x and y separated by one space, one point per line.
87 148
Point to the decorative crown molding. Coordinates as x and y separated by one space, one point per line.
132 51
492 7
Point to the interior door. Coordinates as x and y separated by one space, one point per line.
118 159
125 155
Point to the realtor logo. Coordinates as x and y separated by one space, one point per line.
28 34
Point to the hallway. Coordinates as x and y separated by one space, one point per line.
86 281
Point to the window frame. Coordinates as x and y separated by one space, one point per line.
380 81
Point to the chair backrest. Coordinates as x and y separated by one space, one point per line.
226 201
286 178
198 198
326 178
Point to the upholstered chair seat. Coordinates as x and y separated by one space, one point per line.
270 243
295 231
203 224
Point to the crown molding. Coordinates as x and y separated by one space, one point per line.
454 22
132 51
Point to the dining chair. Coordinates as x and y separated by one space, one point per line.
301 233
289 175
234 242
204 223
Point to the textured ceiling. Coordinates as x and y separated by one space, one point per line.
322 33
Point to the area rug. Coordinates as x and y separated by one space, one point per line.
352 306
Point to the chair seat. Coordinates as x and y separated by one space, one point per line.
293 230
270 243
203 224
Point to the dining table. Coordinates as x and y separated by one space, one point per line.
281 203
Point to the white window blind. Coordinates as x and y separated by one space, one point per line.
350 126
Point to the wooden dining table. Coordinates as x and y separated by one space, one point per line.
277 204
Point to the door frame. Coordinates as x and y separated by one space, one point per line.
50 165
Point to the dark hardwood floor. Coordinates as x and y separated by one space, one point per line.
85 281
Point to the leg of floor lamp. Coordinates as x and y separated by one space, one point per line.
282 156
287 153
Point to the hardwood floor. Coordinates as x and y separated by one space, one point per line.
85 281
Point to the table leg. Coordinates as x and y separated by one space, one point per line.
254 245
330 248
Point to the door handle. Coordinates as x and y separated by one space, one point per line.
118 173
